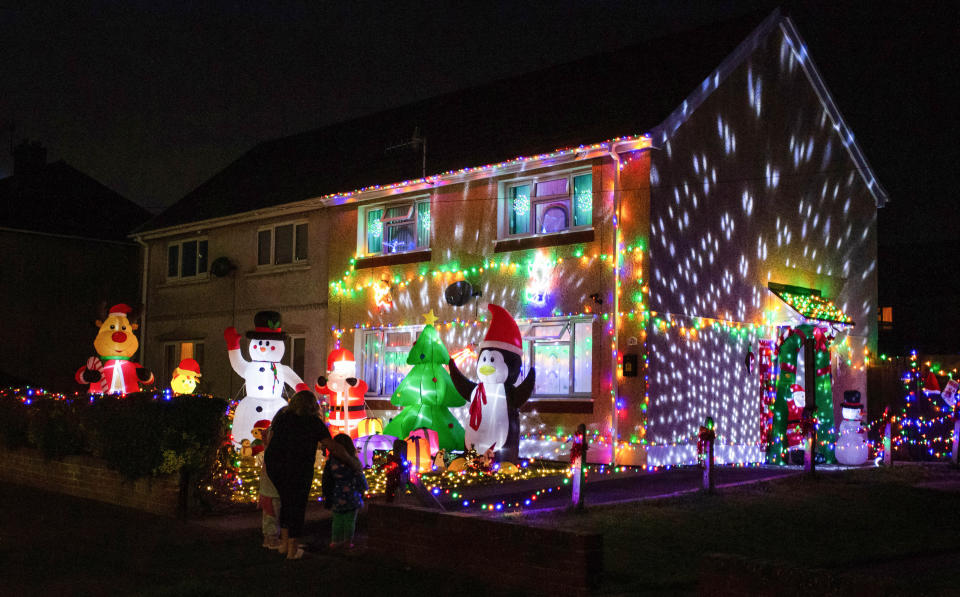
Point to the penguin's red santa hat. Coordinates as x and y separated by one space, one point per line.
503 334
341 360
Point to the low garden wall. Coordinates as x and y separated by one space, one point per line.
88 477
538 559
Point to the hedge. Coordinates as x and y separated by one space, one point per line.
139 435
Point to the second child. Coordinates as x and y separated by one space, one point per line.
343 489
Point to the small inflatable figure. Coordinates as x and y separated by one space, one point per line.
114 371
345 391
185 377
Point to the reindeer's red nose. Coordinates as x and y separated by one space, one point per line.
119 337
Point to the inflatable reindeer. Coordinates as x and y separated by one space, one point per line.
113 371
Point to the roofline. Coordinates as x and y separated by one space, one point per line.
799 47
663 131
90 239
374 192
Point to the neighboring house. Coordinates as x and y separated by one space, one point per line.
63 237
636 257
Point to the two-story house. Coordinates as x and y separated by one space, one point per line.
630 209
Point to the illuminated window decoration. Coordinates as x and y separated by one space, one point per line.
113 371
264 376
344 393
382 295
185 377
540 279
789 347
809 304
397 227
427 393
496 400
549 204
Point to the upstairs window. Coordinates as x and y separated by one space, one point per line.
396 228
187 259
282 244
549 204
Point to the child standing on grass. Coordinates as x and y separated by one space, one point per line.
269 499
343 489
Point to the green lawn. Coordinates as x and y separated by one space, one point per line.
870 522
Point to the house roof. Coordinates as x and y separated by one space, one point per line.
644 88
59 199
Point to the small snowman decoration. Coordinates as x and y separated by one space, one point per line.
264 375
852 447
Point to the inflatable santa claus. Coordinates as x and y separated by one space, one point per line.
344 392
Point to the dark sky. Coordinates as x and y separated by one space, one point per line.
153 98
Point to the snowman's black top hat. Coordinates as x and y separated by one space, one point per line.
851 399
266 327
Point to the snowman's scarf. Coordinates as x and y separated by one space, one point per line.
476 408
273 368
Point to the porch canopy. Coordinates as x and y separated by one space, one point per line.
809 304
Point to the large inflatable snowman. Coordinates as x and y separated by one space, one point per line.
264 375
852 448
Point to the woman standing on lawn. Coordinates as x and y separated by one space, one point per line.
297 429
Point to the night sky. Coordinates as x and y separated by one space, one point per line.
153 98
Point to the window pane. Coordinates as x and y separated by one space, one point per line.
519 199
400 237
552 217
301 248
395 370
583 200
549 331
188 260
423 224
299 347
198 354
202 257
283 247
583 357
399 339
374 231
552 362
263 247
552 187
186 350
371 362
173 261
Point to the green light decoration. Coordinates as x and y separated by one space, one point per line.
822 395
426 394
813 306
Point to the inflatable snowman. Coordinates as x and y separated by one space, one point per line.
264 375
852 447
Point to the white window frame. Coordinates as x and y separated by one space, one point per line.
177 345
505 206
376 387
272 228
290 353
414 213
529 352
179 244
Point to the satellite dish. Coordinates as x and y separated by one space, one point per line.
221 267
459 293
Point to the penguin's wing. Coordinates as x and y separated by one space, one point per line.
519 395
464 386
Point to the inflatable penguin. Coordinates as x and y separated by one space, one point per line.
264 375
495 402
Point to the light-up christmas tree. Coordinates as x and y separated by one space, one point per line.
427 393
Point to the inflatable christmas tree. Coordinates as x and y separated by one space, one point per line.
427 393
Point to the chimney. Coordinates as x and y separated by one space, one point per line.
29 158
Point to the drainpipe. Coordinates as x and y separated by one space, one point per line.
615 255
143 298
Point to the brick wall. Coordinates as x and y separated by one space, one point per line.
86 477
537 559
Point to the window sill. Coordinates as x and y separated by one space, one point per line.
567 237
174 282
559 405
393 259
266 270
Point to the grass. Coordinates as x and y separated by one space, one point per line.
872 522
